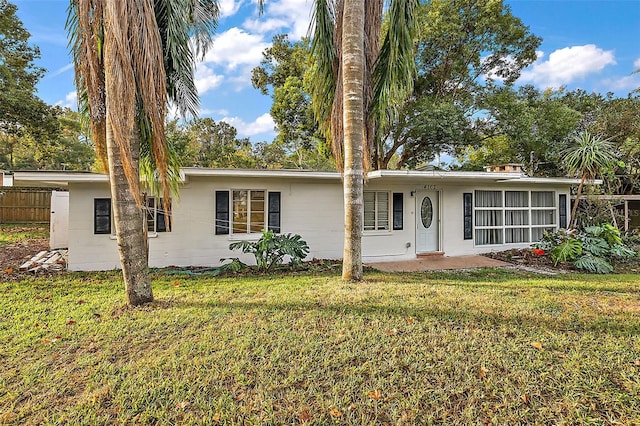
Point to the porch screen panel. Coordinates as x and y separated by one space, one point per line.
488 217
543 213
516 216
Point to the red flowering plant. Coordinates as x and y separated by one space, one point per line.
538 251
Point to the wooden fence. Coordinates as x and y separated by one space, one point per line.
25 205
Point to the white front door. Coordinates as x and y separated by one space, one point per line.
427 221
59 227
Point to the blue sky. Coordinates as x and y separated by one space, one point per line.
592 45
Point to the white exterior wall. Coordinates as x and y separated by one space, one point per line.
312 208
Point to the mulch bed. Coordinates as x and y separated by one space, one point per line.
526 257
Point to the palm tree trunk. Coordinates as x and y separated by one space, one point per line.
353 122
129 223
576 201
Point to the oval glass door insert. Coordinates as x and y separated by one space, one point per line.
426 212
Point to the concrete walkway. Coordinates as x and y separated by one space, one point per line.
437 263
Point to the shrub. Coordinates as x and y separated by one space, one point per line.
592 250
271 249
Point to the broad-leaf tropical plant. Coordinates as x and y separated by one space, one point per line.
586 157
133 57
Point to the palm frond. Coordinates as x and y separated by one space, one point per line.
85 28
395 69
325 71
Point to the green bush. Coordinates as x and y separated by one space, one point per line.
592 250
271 249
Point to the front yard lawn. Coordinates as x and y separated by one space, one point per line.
481 347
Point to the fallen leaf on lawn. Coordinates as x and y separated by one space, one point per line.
70 322
240 396
352 406
97 315
58 337
376 394
216 417
38 297
80 302
176 283
36 325
304 416
334 412
9 271
537 345
409 320
637 362
47 297
482 372
182 405
525 398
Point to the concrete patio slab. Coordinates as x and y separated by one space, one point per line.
437 263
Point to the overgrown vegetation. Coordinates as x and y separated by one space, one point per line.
269 251
489 346
594 249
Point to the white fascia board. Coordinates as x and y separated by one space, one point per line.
477 176
255 173
57 178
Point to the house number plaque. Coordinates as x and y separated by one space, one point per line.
431 187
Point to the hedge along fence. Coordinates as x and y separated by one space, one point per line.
25 205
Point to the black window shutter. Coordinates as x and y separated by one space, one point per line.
398 205
102 216
467 209
222 212
562 206
274 212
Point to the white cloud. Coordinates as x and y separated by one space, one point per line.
228 7
206 79
70 101
297 13
262 124
61 70
621 85
567 65
262 26
236 47
636 64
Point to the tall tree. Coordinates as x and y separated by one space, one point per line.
22 113
352 73
461 45
131 58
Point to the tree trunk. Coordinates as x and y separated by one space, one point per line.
574 210
353 122
129 223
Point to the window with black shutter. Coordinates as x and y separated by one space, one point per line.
398 206
222 212
102 216
467 208
274 212
562 210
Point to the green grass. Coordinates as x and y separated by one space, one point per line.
481 347
16 233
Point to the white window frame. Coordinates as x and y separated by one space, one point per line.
503 209
249 233
376 221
